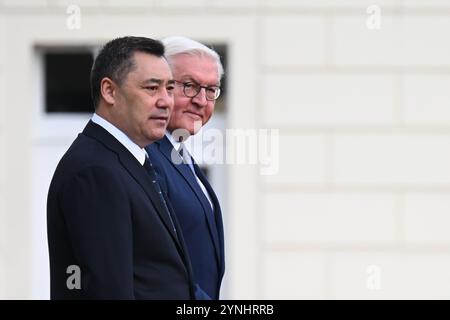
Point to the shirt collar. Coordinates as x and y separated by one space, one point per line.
134 149
175 143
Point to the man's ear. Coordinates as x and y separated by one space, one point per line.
108 90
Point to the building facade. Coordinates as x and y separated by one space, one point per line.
359 206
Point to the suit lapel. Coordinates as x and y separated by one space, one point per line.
135 169
166 149
218 239
139 174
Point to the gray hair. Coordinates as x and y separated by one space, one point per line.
176 45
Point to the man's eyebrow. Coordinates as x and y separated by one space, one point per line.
158 81
190 79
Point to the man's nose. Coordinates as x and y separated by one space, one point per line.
200 98
165 100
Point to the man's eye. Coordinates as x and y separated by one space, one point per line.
151 88
211 89
190 85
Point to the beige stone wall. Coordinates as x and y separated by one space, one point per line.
360 207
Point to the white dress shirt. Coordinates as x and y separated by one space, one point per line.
138 152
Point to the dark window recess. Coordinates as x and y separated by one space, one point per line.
67 87
221 49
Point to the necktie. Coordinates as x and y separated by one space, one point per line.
186 157
152 173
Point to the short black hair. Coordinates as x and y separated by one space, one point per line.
115 60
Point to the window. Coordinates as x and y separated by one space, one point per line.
221 49
67 84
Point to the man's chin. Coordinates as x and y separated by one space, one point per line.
194 127
157 135
193 131
182 129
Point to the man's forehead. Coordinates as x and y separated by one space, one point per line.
187 72
144 59
151 68
203 71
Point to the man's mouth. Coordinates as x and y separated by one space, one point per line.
194 114
160 118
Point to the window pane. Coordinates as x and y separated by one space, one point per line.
67 87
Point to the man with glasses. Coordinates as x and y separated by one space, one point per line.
197 71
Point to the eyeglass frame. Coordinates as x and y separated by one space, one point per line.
200 89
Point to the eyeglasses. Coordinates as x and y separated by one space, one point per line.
192 89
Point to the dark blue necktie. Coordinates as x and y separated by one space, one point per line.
186 157
188 160
152 173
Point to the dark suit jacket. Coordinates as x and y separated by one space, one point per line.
202 228
104 216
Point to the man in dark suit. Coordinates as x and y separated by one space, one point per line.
108 224
197 72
